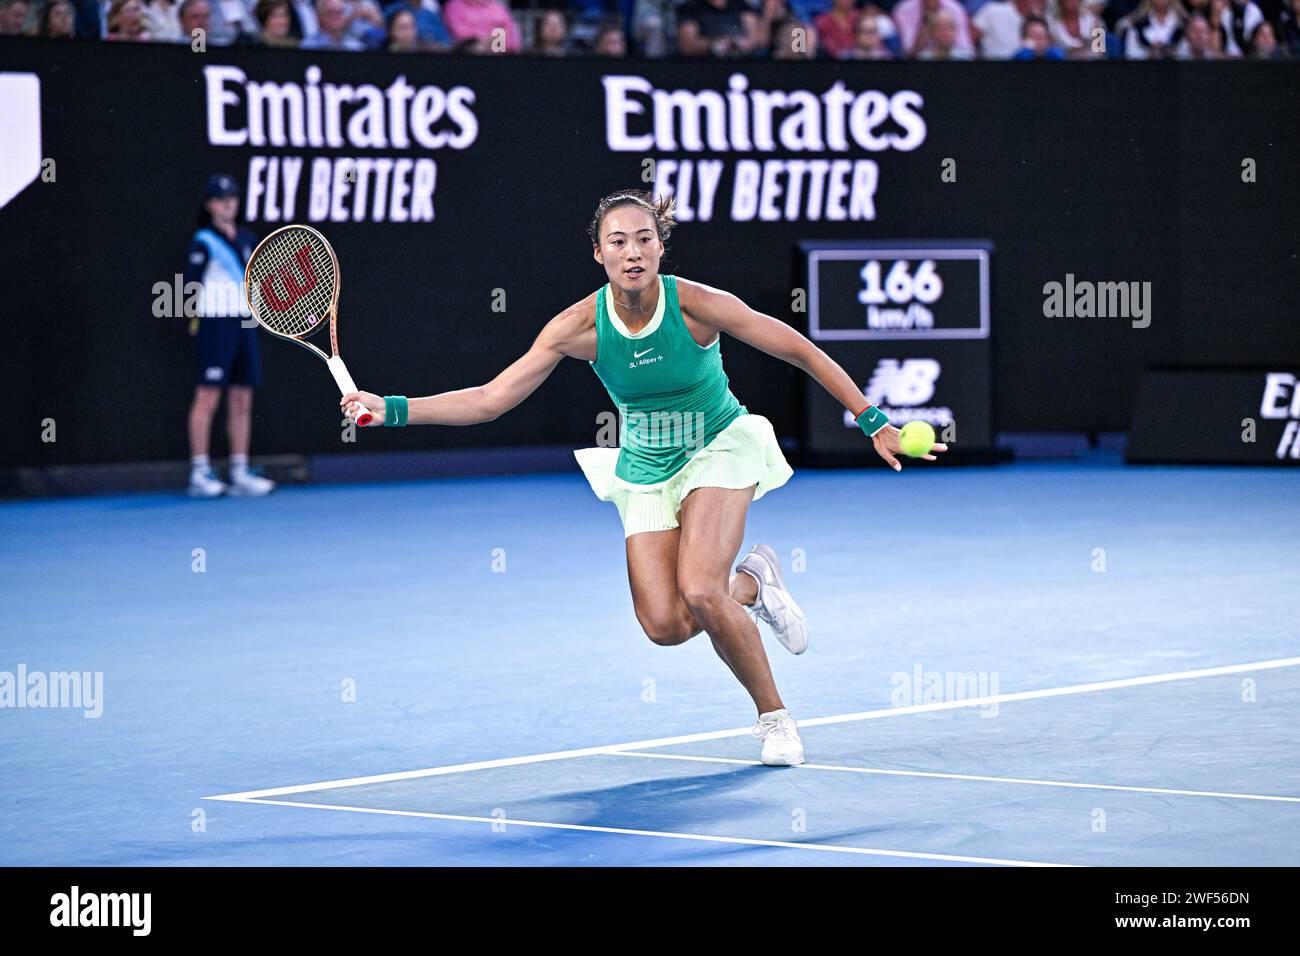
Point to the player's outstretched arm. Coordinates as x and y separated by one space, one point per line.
725 312
562 336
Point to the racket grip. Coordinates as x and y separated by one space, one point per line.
345 384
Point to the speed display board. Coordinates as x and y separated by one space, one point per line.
910 322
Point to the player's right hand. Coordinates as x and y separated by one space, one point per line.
374 403
887 447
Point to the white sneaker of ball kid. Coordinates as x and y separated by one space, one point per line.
204 484
248 484
774 603
780 735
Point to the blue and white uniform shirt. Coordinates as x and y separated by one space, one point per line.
217 264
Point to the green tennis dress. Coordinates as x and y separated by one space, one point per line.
680 428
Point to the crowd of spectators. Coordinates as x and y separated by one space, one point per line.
776 29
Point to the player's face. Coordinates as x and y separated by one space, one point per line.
629 248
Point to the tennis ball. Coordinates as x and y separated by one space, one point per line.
915 439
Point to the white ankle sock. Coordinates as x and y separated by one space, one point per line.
238 464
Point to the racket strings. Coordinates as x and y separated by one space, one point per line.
291 282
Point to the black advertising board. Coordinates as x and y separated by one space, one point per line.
910 321
1218 415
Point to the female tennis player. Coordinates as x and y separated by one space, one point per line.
691 457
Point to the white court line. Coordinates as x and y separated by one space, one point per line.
965 776
742 731
742 841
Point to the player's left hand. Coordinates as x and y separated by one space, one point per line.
886 442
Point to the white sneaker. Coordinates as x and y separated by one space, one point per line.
249 484
780 735
204 484
774 603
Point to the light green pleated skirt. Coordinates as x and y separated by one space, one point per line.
742 454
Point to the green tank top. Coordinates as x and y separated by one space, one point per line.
672 396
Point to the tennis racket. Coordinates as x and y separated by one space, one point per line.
292 285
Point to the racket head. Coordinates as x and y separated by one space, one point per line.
292 284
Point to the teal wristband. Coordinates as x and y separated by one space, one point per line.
871 420
397 411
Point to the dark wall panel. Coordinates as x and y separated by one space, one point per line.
1112 172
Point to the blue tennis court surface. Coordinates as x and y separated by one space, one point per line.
1047 663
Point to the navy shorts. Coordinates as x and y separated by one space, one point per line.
226 353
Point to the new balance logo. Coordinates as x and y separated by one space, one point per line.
910 382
